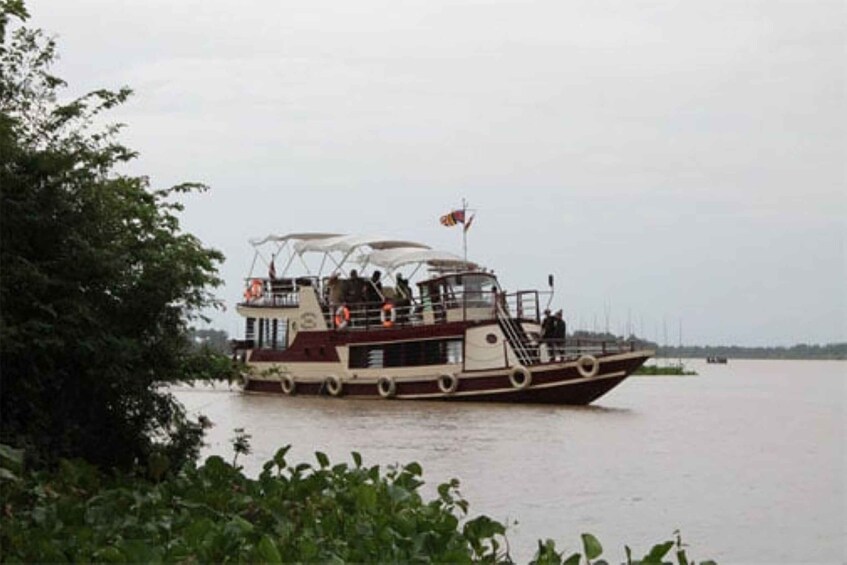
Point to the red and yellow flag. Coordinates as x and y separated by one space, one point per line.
453 218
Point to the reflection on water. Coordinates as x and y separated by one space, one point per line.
747 459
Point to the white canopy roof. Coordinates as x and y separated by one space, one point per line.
347 243
293 236
397 257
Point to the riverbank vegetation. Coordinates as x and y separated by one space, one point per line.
213 513
99 287
831 351
677 369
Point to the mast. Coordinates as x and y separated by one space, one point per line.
464 230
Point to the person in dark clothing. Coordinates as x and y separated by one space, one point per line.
404 292
560 330
548 329
354 295
404 298
354 289
373 289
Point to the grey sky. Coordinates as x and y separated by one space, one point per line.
666 160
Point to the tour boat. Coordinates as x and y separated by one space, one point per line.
458 336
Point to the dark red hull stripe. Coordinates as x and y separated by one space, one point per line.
319 347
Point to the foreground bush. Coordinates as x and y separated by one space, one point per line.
213 513
99 281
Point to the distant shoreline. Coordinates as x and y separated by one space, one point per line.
831 352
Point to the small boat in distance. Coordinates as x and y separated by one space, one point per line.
328 331
718 360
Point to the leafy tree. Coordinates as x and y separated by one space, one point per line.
98 281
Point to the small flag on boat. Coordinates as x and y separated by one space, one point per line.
272 270
453 218
469 222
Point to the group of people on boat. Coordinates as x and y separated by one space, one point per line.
553 332
353 299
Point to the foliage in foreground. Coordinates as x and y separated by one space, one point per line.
214 513
98 280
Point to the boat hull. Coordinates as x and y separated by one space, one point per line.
547 383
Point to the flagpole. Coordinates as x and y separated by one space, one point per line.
464 231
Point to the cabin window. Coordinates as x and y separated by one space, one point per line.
475 290
273 334
454 351
263 332
406 354
250 329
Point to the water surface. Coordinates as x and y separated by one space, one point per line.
747 459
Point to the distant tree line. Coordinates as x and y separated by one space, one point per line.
800 351
216 340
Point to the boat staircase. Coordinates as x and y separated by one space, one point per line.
524 347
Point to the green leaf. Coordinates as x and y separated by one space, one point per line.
357 459
11 458
138 551
109 555
658 552
414 469
572 560
592 546
323 460
267 551
279 457
240 525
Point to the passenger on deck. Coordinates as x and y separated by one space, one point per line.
354 289
548 331
373 290
404 299
335 292
560 330
354 296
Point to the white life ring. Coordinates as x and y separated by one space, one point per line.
334 386
387 387
520 377
588 366
342 317
286 382
388 315
448 383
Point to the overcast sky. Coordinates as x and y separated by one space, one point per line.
666 161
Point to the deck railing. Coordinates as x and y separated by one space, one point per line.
514 308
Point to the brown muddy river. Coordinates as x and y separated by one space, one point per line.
748 460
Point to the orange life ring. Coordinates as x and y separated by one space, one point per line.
342 317
388 315
256 288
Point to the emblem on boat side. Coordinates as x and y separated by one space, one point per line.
308 321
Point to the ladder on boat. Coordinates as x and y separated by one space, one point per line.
524 348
